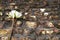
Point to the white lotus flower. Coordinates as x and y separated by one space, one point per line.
11 14
42 9
18 14
15 13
